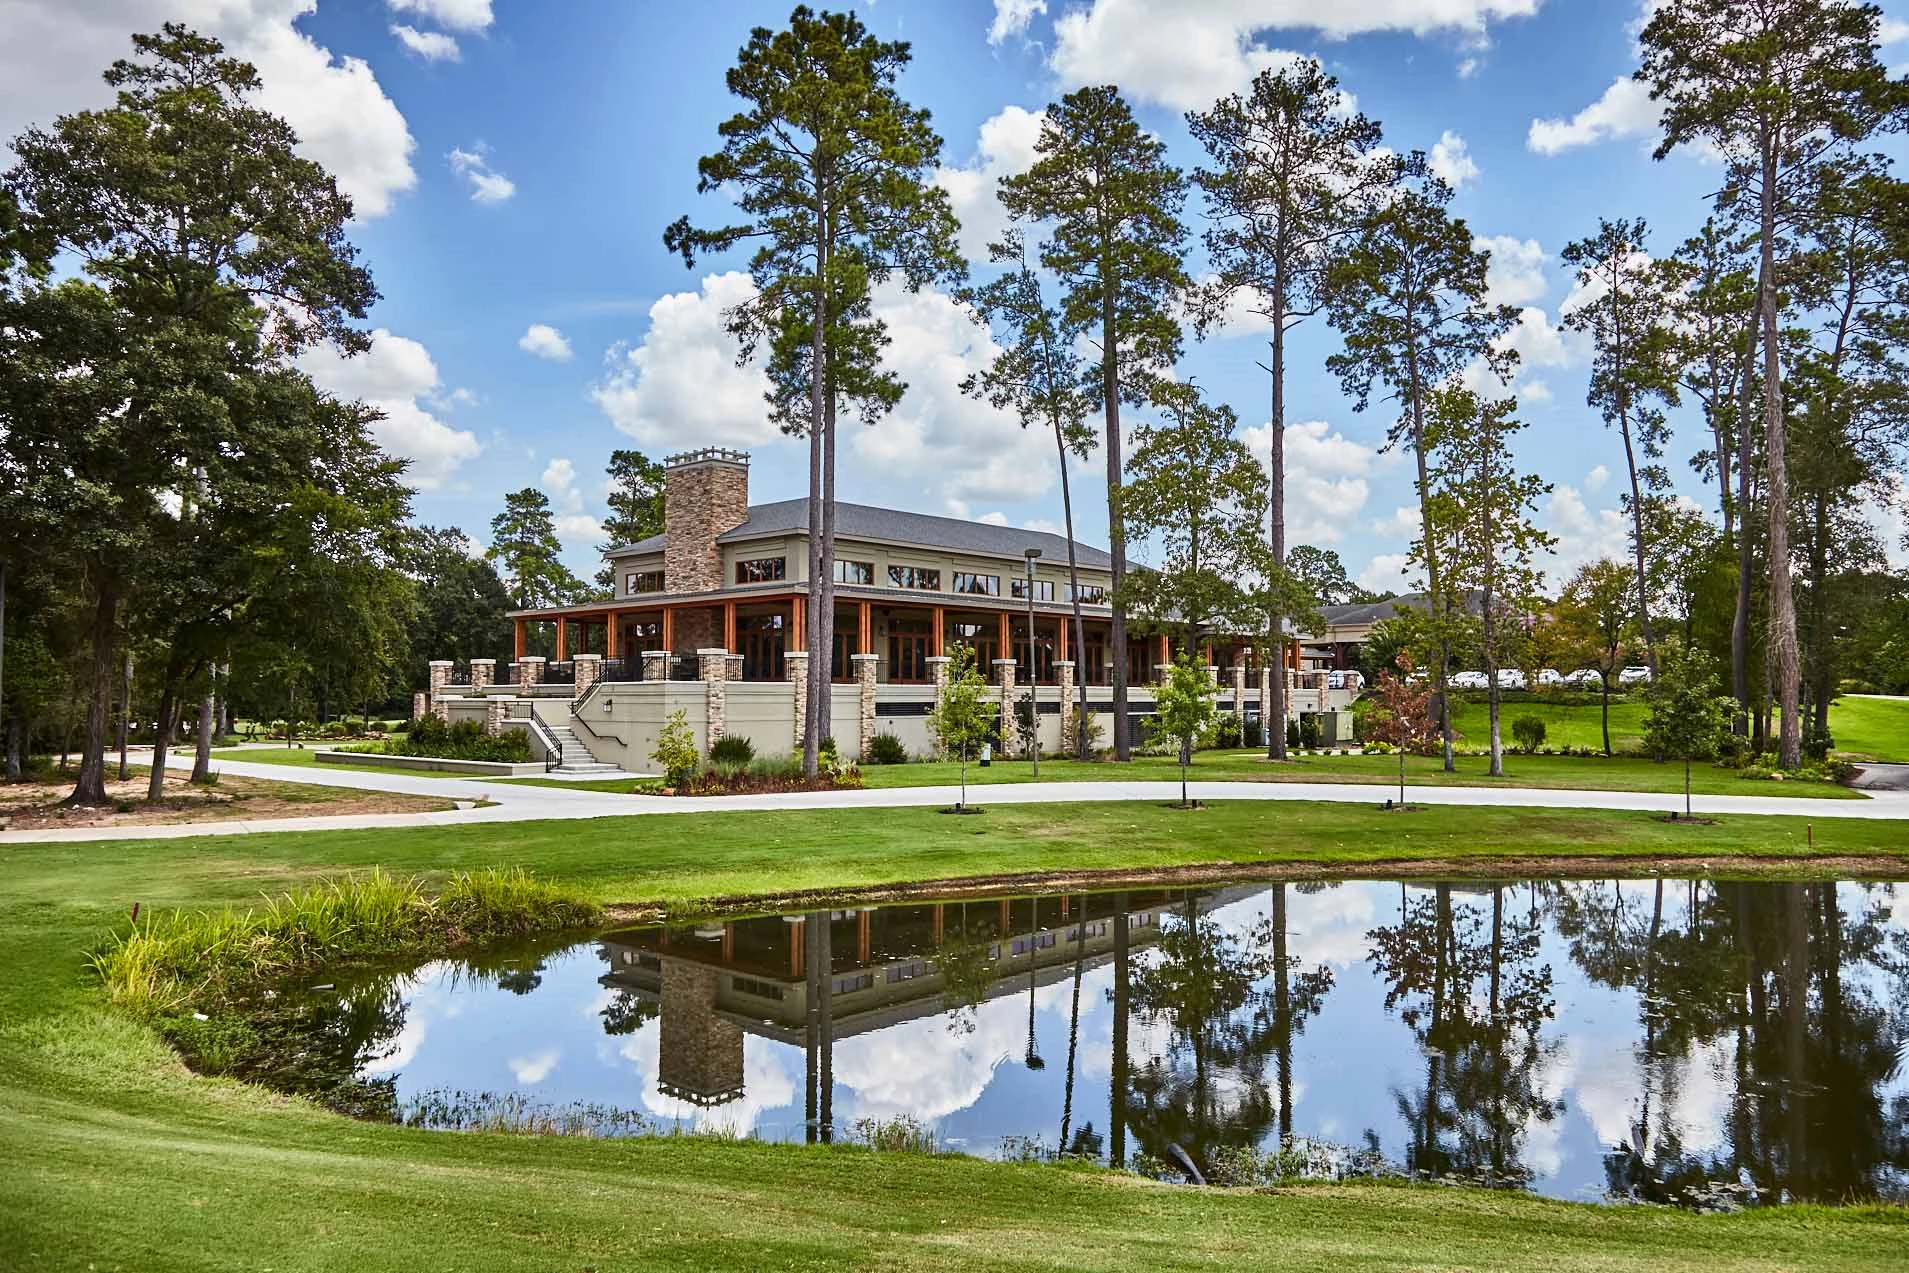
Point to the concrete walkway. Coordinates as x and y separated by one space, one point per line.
519 802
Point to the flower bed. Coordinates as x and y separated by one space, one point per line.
744 782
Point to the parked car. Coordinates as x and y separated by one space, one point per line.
1548 676
1634 676
1585 677
1510 678
1469 681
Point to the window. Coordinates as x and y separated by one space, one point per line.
642 581
760 989
761 570
908 649
920 578
1089 594
1043 589
906 972
977 585
849 985
854 571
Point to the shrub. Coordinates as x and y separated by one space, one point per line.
886 749
731 753
334 729
1528 731
1253 735
1308 730
1292 733
675 752
1227 734
466 740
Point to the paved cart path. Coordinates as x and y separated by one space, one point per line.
519 802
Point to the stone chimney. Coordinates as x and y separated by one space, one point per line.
705 493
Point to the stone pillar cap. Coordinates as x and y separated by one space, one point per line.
857 658
936 658
443 663
999 662
492 662
586 656
714 651
1063 662
656 654
531 658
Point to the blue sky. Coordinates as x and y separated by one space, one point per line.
515 164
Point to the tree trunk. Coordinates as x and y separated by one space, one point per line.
1782 636
1746 541
1637 547
202 750
1605 679
1116 523
1432 581
16 731
90 789
828 563
1073 589
1275 708
162 739
819 654
125 716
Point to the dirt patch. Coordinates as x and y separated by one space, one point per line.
1840 866
35 805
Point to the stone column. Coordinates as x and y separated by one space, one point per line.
496 709
530 670
1212 675
440 680
656 665
1010 725
589 668
866 667
420 704
1160 672
1266 722
795 666
1239 697
713 665
1064 673
483 674
938 665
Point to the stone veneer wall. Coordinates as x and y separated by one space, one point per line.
704 494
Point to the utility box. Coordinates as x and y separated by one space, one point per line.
1335 728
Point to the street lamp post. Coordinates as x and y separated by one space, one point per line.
1033 667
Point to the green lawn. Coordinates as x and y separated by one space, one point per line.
119 1159
1562 772
1564 726
307 758
1870 728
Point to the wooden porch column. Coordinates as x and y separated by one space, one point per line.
563 639
1006 637
939 634
1064 655
669 629
609 634
729 627
1166 648
864 628
941 921
520 638
798 625
861 938
729 942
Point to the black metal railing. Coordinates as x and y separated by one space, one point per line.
459 678
560 674
620 669
553 750
685 667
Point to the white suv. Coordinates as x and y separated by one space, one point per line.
1634 676
1510 678
1468 681
1588 677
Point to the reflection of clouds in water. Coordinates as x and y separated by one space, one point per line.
536 1067
923 1068
428 995
767 1084
1329 927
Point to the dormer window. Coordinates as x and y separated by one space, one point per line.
641 581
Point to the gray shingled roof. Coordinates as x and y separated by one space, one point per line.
863 521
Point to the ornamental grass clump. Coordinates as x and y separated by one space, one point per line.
169 964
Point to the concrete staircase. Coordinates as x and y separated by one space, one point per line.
576 759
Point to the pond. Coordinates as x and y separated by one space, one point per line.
1701 1042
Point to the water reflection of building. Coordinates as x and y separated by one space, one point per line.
808 980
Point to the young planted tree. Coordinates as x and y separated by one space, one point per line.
1196 489
212 248
525 549
1627 314
1490 507
1407 297
1401 714
1775 87
1186 712
966 715
829 165
1038 375
1293 174
1110 202
1596 615
1686 716
636 507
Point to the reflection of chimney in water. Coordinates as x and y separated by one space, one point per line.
700 1057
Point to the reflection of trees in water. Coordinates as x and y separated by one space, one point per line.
1231 1004
1787 982
966 968
627 1012
1468 983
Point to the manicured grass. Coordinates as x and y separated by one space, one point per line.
1576 773
1564 726
119 1159
1871 728
307 758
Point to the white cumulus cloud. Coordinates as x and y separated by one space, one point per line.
1011 18
459 15
487 184
544 341
1596 478
398 377
1005 147
432 46
1624 110
1515 273
1451 161
1327 479
59 49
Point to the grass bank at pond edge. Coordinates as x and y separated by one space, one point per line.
122 1159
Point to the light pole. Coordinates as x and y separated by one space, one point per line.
1033 667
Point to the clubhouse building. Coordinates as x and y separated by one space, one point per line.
712 612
